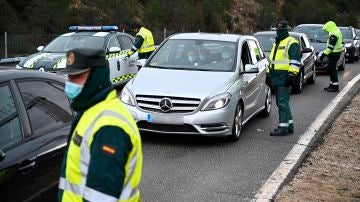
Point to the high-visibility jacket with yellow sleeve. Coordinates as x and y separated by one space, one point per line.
284 60
334 43
103 161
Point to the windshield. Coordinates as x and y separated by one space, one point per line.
347 33
198 55
266 41
65 43
315 34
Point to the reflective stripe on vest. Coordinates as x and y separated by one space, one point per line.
282 60
148 44
74 185
338 46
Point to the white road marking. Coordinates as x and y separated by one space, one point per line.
272 185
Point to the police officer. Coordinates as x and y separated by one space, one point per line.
144 42
332 53
103 160
282 74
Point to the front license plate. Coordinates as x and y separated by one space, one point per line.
165 119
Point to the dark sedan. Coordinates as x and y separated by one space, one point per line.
307 71
351 42
318 38
35 119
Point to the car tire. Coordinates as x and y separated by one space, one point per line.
268 100
237 124
342 66
312 79
352 59
297 88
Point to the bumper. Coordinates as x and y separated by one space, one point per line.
206 123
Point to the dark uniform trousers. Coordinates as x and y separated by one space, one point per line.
283 103
333 59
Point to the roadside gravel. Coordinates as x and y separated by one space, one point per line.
332 170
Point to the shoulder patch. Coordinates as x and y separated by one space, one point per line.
108 149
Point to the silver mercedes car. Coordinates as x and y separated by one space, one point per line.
200 84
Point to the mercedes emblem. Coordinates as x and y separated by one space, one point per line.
165 105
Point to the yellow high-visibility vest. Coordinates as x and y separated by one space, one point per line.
282 59
148 44
109 112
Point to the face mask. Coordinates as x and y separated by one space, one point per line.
225 55
192 58
72 89
201 57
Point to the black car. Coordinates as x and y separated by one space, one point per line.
318 38
351 42
35 118
307 71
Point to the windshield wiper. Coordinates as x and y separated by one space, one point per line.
317 41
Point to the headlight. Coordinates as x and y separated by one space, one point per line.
126 97
217 102
348 45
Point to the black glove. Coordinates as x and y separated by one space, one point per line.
268 81
291 80
322 56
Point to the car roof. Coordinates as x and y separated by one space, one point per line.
9 73
310 25
211 36
294 34
94 33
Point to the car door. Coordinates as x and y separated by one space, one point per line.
48 111
126 43
306 58
251 88
15 169
119 65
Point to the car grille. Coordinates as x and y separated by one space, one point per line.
167 128
179 104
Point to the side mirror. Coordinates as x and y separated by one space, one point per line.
251 69
307 50
114 49
40 48
140 63
2 155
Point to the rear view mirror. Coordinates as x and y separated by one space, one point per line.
2 155
40 48
140 63
251 69
307 50
114 49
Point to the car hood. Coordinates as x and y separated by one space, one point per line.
180 83
48 61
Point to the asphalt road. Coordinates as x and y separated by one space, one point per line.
189 168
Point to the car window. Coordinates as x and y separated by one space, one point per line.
196 55
266 41
303 45
64 43
113 42
10 130
46 104
347 33
254 51
315 34
307 42
125 42
245 55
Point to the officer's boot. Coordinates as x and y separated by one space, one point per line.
329 87
332 88
280 131
291 127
